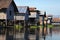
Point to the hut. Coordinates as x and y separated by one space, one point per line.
22 19
7 11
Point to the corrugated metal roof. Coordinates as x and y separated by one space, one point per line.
22 9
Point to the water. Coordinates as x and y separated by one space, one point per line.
55 35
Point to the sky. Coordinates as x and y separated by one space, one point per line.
52 7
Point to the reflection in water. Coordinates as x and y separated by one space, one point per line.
44 37
54 36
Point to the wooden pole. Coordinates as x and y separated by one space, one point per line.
46 26
51 24
26 33
37 32
9 33
43 26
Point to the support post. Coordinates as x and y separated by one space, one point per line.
8 35
37 33
51 24
26 33
9 32
43 26
46 26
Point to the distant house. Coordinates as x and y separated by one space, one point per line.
33 19
56 21
34 15
42 17
23 14
47 18
7 9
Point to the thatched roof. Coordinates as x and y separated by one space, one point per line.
6 3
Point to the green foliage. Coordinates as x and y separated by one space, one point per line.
50 26
3 25
34 27
17 27
40 26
